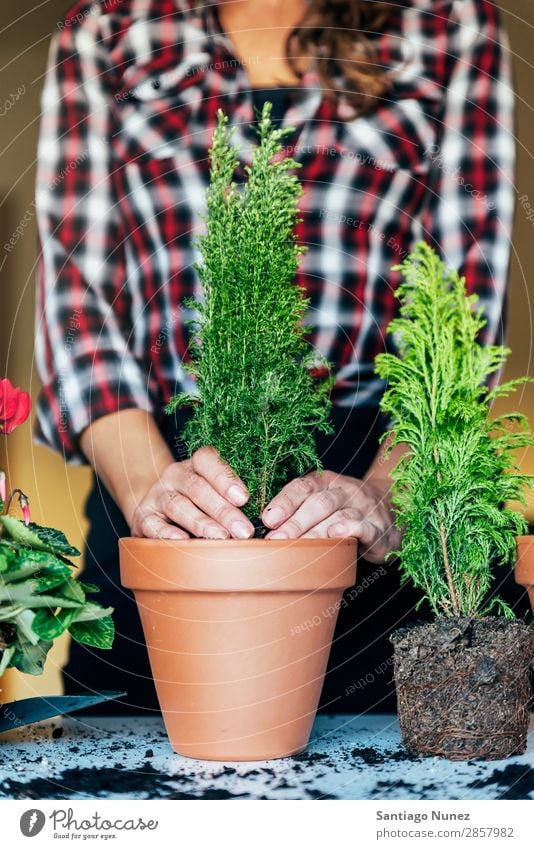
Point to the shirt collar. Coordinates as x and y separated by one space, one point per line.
209 68
300 111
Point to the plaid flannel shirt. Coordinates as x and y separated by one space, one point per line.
129 105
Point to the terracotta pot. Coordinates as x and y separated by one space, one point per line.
524 567
238 634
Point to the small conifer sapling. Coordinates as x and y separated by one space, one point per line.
452 487
259 403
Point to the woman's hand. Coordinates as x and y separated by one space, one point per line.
330 505
201 496
197 497
159 498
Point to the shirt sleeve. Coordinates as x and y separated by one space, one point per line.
469 213
84 326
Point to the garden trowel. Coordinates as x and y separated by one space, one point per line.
25 711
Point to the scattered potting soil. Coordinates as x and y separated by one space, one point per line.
382 786
516 781
317 795
92 782
299 777
386 788
99 783
144 781
369 755
283 785
310 758
463 686
372 756
227 770
212 793
402 755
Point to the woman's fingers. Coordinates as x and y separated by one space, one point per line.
348 523
198 497
316 508
183 512
208 464
376 539
335 506
147 523
200 509
292 496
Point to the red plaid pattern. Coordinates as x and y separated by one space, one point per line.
128 109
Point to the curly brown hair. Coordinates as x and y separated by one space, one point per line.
338 34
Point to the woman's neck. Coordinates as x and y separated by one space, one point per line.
258 30
280 13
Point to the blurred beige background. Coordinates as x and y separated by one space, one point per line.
56 492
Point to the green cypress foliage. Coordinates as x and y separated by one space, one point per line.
450 488
258 402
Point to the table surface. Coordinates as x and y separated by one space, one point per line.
349 757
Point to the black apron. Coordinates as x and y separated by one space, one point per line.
359 676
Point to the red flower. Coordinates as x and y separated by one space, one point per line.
14 406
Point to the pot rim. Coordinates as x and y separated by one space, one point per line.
237 565
215 543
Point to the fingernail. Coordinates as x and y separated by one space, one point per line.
171 534
213 532
274 515
237 495
241 531
278 535
337 531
